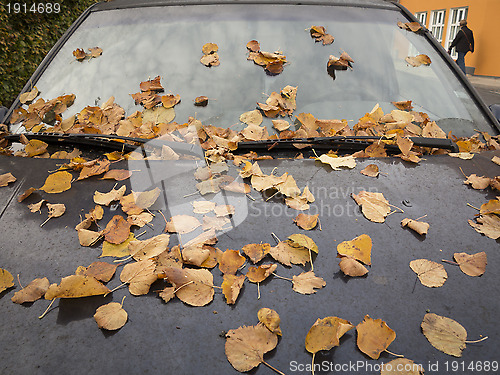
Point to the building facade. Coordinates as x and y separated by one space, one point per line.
442 18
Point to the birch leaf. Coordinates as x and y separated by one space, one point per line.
374 336
307 282
444 334
430 274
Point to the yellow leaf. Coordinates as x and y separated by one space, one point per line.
57 182
359 248
326 333
373 205
430 274
6 280
374 336
111 316
119 251
32 292
76 286
472 265
444 334
270 319
306 282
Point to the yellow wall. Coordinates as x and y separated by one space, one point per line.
482 19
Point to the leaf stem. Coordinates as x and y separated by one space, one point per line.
470 205
250 197
312 363
476 341
123 299
421 217
272 368
394 354
47 309
19 281
450 262
112 290
281 277
311 259
258 290
182 286
275 237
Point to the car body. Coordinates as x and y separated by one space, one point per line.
142 40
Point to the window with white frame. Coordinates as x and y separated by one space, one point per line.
422 18
456 15
437 24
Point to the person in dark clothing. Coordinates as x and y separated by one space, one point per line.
463 43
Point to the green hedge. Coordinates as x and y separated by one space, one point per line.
25 39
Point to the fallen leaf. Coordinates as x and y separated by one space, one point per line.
152 247
307 282
252 117
287 254
420 227
444 334
106 198
201 101
168 293
32 292
245 346
301 240
146 199
140 220
203 207
111 316
337 163
374 336
326 333
231 261
496 160
214 222
270 319
256 251
491 207
472 265
224 210
6 280
236 187
35 147
29 96
418 60
402 366
101 271
152 85
117 230
56 210
410 26
231 287
100 167
306 222
351 267
461 155
373 205
489 225
117 174
477 182
119 250
57 182
259 274
36 207
76 286
371 170
359 248
194 287
139 275
182 224
195 255
88 237
26 194
430 274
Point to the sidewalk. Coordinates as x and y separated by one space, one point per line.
492 83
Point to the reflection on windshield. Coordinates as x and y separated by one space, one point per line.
168 41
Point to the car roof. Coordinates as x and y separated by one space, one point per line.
120 4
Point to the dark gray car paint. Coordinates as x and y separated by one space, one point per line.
172 338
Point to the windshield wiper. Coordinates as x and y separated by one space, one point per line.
108 141
351 143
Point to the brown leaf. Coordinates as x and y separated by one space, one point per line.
152 85
418 60
32 292
259 274
88 237
6 178
6 280
201 101
106 198
420 227
117 174
182 224
152 247
402 366
231 287
491 207
111 316
306 282
374 336
326 333
477 182
26 194
256 251
245 346
472 265
371 170
146 199
139 275
230 261
489 225
337 163
194 287
140 220
35 147
430 274
56 210
224 210
95 52
306 222
270 319
287 254
253 46
117 230
57 182
301 240
373 205
170 100
76 286
29 96
36 207
79 54
101 271
251 118
98 168
351 267
359 248
444 334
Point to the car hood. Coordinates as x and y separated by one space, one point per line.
175 338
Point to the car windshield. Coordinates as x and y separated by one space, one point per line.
141 43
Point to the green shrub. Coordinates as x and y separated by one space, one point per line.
25 39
